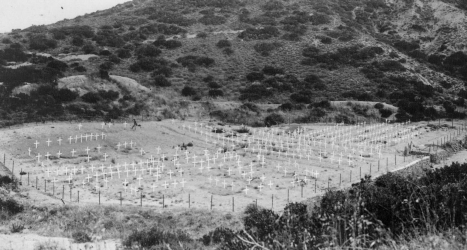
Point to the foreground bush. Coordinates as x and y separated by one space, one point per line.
154 237
369 214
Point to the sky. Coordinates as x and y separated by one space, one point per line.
20 14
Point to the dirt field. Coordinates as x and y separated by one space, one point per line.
94 166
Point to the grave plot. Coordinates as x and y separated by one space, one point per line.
184 164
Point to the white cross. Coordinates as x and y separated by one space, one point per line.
105 156
102 135
139 179
79 126
47 156
36 143
165 184
175 183
73 153
124 124
183 182
59 141
70 139
29 150
48 142
70 178
246 190
118 146
153 186
260 187
141 151
270 184
98 148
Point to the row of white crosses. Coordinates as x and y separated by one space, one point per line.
74 139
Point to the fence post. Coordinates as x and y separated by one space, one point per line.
211 202
141 198
36 183
233 204
189 200
63 192
121 198
45 186
272 201
78 196
99 197
163 201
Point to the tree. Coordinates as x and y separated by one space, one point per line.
188 91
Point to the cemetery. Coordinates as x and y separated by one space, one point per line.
175 164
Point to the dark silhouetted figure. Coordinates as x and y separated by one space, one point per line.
135 124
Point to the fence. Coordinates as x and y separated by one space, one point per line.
315 187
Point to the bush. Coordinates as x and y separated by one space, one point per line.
214 85
255 76
148 50
273 119
215 93
123 53
325 39
41 42
223 44
58 65
161 81
80 237
385 113
77 41
109 38
89 49
10 206
153 237
106 65
13 54
91 97
270 70
212 20
202 35
66 95
109 95
188 91
267 32
379 105
186 61
265 49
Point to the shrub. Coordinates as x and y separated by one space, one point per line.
109 95
172 44
13 54
379 105
195 60
223 44
16 227
310 51
77 41
41 42
123 53
214 85
265 49
212 20
89 49
6 40
80 237
153 237
228 51
325 39
215 93
106 65
114 59
161 81
66 95
58 65
109 38
270 70
148 50
188 91
202 35
273 119
267 32
255 76
91 97
319 19
10 206
385 113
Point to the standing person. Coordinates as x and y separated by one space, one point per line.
135 124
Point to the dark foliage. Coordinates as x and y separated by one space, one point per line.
13 55
215 93
255 92
77 41
273 5
170 17
41 42
161 29
214 85
81 31
267 32
109 95
320 18
91 97
89 49
270 70
161 81
153 237
109 38
223 44
272 120
123 53
212 20
152 64
148 50
385 113
188 91
255 76
265 49
191 60
80 237
10 206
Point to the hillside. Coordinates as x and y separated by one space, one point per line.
296 54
